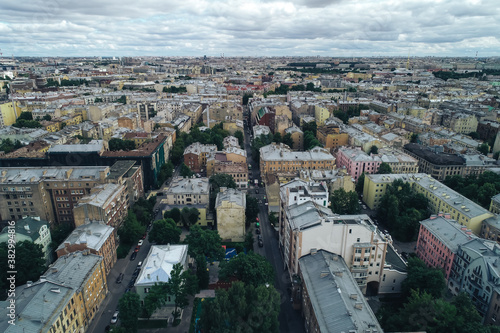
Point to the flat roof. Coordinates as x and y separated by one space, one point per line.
159 263
448 231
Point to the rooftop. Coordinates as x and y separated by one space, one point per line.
159 263
337 301
93 234
231 195
180 185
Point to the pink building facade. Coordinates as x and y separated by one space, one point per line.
438 241
357 161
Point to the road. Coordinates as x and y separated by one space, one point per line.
290 320
115 291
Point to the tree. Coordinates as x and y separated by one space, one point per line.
384 168
185 171
374 150
277 137
310 127
202 273
288 140
47 117
484 148
252 209
7 145
166 171
414 138
119 144
344 202
189 216
165 232
242 308
131 229
29 266
204 242
360 183
129 316
474 135
122 99
423 279
181 284
249 268
21 123
273 219
25 115
241 140
248 243
310 141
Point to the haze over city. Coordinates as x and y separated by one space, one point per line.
249 28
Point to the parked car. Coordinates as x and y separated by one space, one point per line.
114 319
257 231
259 237
137 248
144 236
127 290
133 256
139 264
140 242
119 279
261 243
257 191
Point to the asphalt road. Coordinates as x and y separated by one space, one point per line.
115 291
290 320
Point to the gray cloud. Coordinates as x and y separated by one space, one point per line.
252 27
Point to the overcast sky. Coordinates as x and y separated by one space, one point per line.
249 27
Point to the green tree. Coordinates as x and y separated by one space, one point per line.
47 117
22 123
166 171
180 285
241 140
374 150
204 242
414 138
29 266
310 141
474 135
122 99
484 148
423 279
7 145
248 243
343 202
384 168
242 308
185 171
252 209
202 273
277 137
165 232
189 216
129 316
131 229
360 183
310 127
25 115
287 140
249 268
273 219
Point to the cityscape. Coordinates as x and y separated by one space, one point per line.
264 166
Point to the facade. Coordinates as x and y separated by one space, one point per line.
230 206
490 229
297 137
158 266
48 192
239 171
331 136
31 229
96 237
187 191
441 198
196 155
331 299
130 175
281 159
355 161
438 241
108 203
495 204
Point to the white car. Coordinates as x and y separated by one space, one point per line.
140 242
114 319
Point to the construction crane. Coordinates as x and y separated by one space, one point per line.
408 61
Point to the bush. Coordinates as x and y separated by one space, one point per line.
122 251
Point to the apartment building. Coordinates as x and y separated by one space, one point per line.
31 229
230 206
438 241
356 161
463 123
65 299
239 171
281 159
331 136
196 155
309 227
157 268
96 237
187 191
107 203
475 271
331 298
130 175
442 199
297 137
48 192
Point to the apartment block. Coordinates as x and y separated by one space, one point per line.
442 199
196 155
331 298
331 136
356 161
96 237
130 175
187 191
107 203
281 159
230 206
438 241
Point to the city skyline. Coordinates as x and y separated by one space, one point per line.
254 28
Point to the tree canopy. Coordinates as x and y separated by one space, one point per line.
164 232
189 216
174 214
384 168
423 279
8 146
204 242
131 229
242 308
129 315
252 208
344 202
479 188
249 268
402 209
119 144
